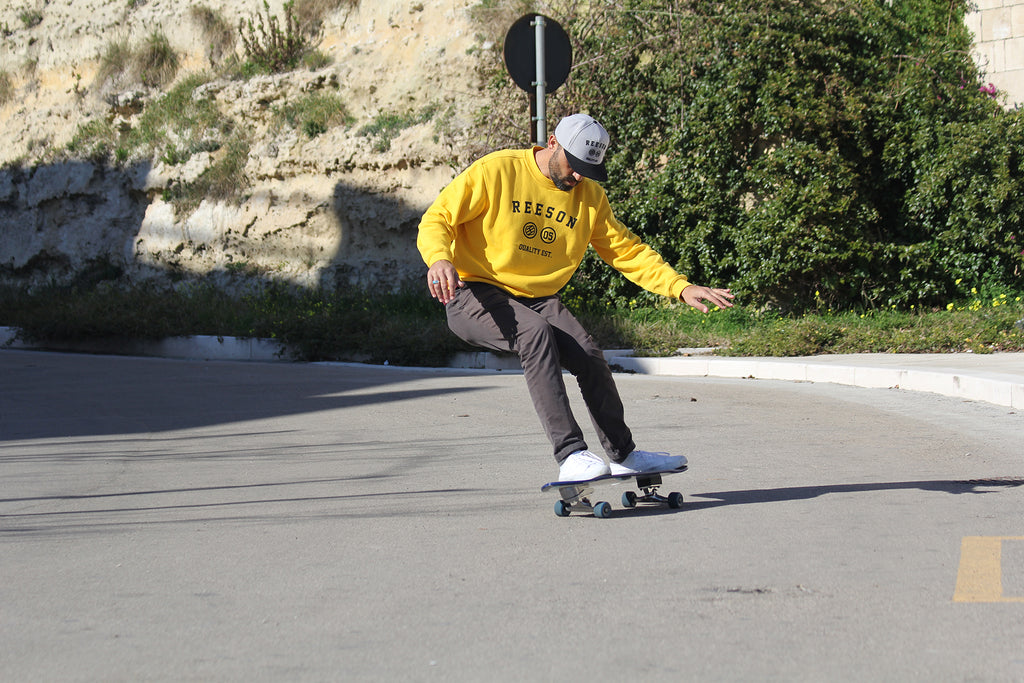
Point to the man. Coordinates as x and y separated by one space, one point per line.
501 241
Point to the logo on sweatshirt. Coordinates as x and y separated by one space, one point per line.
547 236
544 211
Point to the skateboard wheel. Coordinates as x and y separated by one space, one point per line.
629 499
675 500
603 510
561 509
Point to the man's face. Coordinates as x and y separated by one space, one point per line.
561 172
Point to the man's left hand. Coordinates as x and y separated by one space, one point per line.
695 295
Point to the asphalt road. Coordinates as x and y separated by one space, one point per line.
174 521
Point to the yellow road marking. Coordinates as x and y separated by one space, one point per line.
980 577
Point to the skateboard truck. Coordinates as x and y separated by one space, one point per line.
577 499
649 484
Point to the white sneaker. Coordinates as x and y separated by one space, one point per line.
639 462
582 466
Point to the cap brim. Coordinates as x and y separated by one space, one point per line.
592 171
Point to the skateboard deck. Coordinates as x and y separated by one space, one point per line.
575 496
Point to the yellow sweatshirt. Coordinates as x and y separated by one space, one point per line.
504 222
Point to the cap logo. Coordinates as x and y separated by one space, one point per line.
586 141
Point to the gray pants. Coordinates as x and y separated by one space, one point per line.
547 338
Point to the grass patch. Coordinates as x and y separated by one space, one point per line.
6 87
401 329
314 114
386 127
224 179
156 61
409 328
31 17
172 127
116 60
153 64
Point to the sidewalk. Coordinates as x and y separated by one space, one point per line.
996 378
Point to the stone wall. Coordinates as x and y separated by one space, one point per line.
998 28
333 210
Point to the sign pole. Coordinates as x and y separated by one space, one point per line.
541 83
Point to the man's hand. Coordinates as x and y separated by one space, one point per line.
694 295
443 280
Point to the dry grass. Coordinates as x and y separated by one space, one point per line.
219 35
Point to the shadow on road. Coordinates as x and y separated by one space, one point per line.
806 492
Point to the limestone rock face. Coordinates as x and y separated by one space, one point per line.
331 207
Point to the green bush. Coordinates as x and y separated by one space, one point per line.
808 153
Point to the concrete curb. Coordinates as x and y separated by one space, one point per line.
201 347
887 372
941 374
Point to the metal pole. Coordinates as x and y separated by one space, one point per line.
540 83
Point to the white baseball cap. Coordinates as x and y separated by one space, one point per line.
585 142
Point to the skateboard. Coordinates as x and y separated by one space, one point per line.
575 496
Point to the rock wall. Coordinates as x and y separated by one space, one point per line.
328 210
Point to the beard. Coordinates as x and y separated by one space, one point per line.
562 182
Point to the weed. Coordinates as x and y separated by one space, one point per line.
269 48
30 17
156 62
217 32
386 127
316 59
314 114
93 140
6 87
309 14
115 62
223 180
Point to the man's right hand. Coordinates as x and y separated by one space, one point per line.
443 280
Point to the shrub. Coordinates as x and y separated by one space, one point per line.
156 61
269 48
154 64
820 150
31 17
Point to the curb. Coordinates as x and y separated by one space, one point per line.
200 347
870 371
973 385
